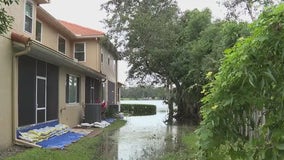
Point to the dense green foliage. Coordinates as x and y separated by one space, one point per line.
201 46
186 71
112 110
5 19
138 109
88 148
252 8
243 108
143 92
149 30
176 50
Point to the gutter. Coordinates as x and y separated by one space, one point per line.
23 52
23 40
26 42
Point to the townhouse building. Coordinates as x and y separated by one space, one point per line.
50 69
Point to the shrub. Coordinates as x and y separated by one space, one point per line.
139 109
243 110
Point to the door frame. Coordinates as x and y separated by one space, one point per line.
45 98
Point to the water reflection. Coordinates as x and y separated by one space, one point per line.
109 148
143 137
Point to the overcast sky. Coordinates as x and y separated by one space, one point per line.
87 13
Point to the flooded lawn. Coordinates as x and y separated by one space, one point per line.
143 137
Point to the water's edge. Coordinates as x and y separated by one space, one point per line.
143 137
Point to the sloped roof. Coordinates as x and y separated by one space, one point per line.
40 51
80 30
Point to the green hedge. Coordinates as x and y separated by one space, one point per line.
111 110
138 109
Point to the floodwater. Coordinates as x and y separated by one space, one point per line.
143 137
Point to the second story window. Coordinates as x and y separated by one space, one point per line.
28 16
79 51
61 44
38 31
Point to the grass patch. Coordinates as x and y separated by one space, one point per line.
87 148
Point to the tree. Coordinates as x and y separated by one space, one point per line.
201 46
216 39
236 8
5 19
174 49
243 108
185 68
146 31
143 92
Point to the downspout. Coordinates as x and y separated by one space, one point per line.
116 81
23 40
26 41
117 86
23 52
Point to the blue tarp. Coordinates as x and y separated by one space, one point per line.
51 123
53 142
110 120
61 141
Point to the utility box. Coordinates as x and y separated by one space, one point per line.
93 113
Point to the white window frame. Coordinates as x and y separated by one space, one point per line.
60 36
40 30
74 54
32 4
77 90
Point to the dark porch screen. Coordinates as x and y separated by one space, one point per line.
52 92
28 69
26 87
111 93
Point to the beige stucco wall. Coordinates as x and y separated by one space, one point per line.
50 38
109 69
5 93
18 12
49 34
70 114
6 72
92 54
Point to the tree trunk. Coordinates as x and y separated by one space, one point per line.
171 111
170 104
188 106
181 110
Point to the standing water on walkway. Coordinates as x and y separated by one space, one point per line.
143 137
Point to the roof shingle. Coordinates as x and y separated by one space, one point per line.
80 30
